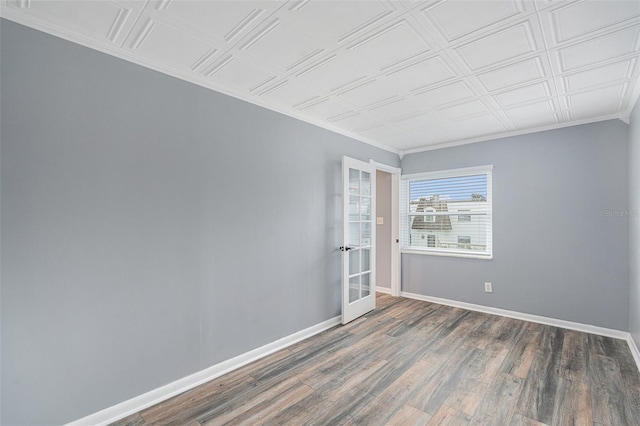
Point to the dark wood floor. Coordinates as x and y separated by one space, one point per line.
417 363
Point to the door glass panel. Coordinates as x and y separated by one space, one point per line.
354 234
358 232
354 262
365 285
366 183
365 208
354 208
366 233
366 255
354 288
354 181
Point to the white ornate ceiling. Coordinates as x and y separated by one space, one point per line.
404 75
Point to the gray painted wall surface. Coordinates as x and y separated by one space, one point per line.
150 227
556 252
634 224
383 232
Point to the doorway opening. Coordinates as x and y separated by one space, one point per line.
387 230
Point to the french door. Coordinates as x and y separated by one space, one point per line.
358 247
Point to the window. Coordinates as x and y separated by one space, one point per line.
464 242
429 218
459 207
464 217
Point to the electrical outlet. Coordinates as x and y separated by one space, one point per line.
488 288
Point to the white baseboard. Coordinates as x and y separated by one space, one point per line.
634 350
131 406
384 290
586 328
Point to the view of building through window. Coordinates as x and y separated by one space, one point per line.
455 213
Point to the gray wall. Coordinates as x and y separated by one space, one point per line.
556 252
634 224
150 227
383 232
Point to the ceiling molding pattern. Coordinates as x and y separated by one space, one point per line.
402 75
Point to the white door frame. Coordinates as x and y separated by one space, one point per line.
395 173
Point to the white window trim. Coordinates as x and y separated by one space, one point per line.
467 171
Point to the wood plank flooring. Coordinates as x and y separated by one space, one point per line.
417 363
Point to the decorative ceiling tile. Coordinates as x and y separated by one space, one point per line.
495 48
523 94
238 74
106 21
513 74
418 121
289 93
163 43
390 45
600 75
401 74
543 120
532 110
338 21
478 126
357 122
227 23
442 95
332 73
380 132
281 45
370 92
464 110
610 46
455 19
325 109
392 111
610 99
584 17
420 74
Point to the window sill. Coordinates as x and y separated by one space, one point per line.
447 254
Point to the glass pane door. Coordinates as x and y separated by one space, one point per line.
359 234
359 237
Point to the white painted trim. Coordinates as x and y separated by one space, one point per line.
586 328
446 253
634 350
138 403
385 290
497 136
396 256
384 167
465 171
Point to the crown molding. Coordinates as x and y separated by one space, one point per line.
496 136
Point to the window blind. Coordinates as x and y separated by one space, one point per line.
448 212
